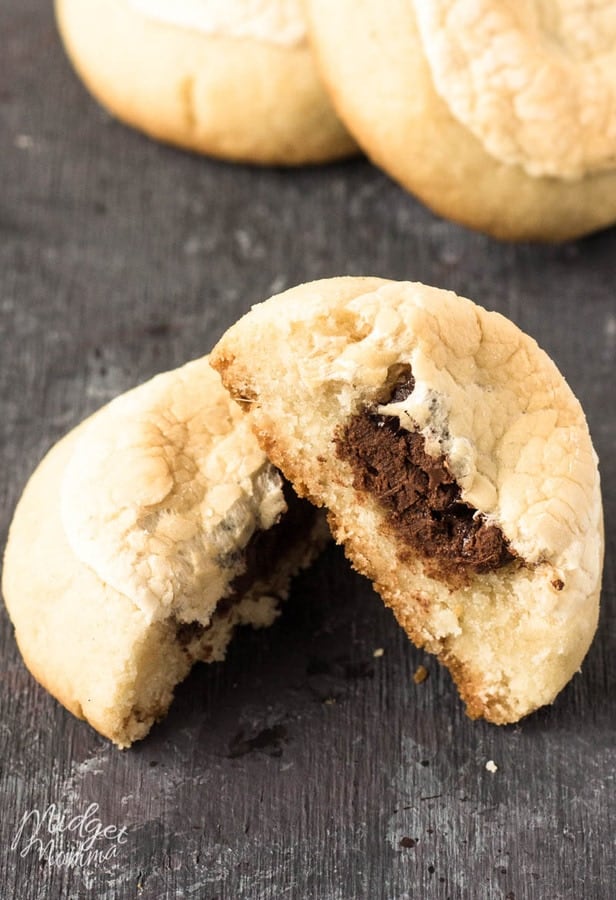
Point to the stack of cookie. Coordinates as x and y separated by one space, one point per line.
453 461
499 116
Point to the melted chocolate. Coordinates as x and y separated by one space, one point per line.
420 495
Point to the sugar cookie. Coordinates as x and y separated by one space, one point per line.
500 116
456 466
142 539
234 80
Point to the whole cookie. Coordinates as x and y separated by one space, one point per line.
234 80
140 542
500 116
456 466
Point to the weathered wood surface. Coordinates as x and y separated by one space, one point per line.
303 767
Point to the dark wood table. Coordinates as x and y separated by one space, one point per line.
306 765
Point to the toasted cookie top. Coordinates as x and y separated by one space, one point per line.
165 485
535 82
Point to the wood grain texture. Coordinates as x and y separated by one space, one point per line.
304 766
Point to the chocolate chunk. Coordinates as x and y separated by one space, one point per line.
403 386
187 632
420 495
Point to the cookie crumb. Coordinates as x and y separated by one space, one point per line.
24 142
491 766
420 674
378 652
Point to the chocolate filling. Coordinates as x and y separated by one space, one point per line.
266 548
260 556
420 495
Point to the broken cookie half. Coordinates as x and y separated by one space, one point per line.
143 538
456 466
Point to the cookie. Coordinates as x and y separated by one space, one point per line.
140 542
233 80
499 116
456 466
